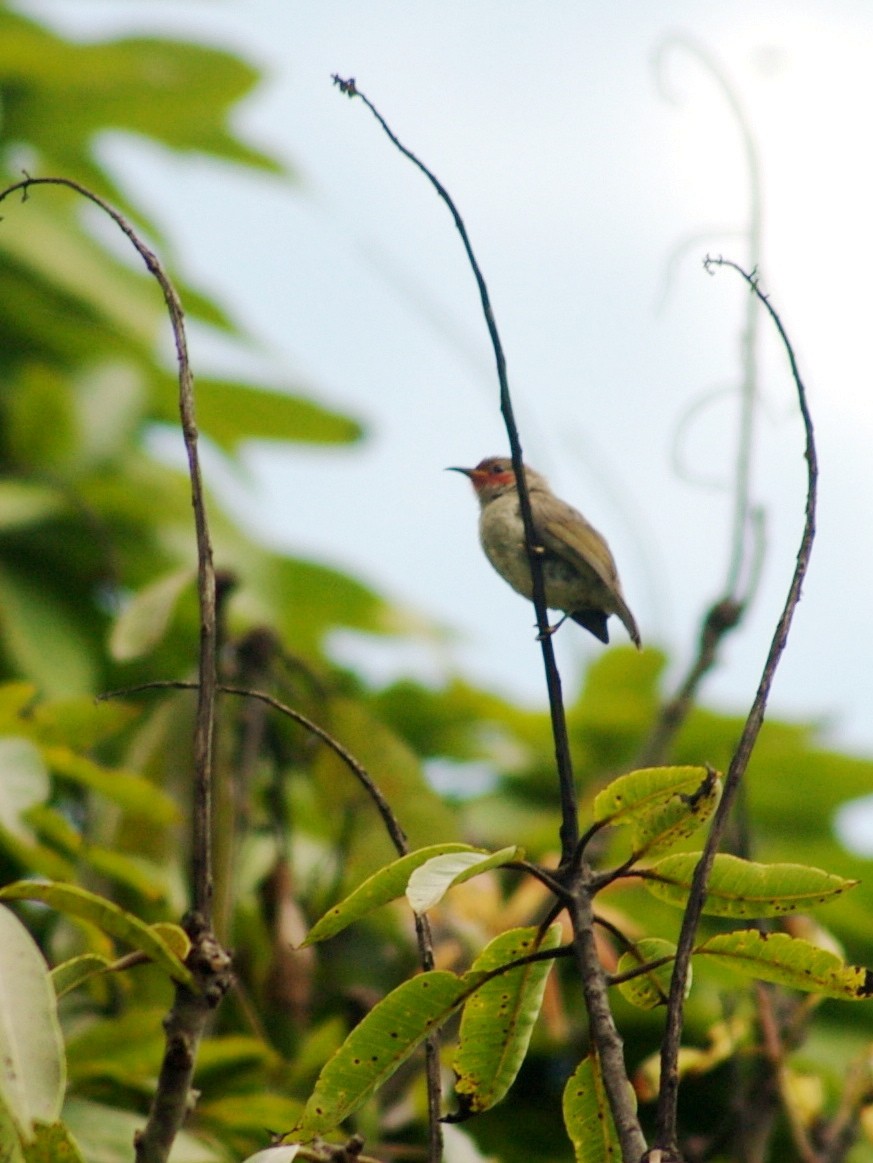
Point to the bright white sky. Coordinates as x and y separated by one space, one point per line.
579 181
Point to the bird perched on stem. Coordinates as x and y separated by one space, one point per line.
579 573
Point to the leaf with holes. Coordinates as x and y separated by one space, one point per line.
499 1018
379 1044
588 1117
789 961
741 888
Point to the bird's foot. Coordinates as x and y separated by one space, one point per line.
550 630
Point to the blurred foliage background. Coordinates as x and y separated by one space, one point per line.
97 593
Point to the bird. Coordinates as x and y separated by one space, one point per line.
579 573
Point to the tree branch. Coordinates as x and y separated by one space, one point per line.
746 543
187 1020
569 810
666 1124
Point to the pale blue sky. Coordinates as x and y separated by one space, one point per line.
578 181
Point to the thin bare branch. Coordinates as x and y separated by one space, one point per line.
569 809
573 871
210 963
666 1125
746 541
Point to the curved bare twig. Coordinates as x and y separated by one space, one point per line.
666 1124
187 1020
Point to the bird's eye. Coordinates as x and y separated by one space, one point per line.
496 470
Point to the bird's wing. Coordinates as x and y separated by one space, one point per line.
565 533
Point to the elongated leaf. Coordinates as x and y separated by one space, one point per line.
741 888
637 793
676 818
789 961
69 975
378 1045
132 792
498 1019
143 876
430 882
587 1115
32 1066
230 413
38 859
383 886
144 620
652 988
123 926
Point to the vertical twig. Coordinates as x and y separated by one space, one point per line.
569 810
186 1021
574 871
666 1124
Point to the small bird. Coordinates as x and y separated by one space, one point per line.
579 573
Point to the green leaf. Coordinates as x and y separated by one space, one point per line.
144 620
632 797
53 249
132 792
11 1150
230 413
789 961
27 503
144 877
79 723
400 778
741 888
179 93
106 1133
388 884
69 975
652 988
53 1144
498 1019
43 638
378 1045
16 700
430 882
588 1117
32 1067
123 926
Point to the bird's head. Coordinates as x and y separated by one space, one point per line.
494 476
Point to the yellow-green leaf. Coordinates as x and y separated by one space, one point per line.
742 888
499 1017
588 1117
378 1045
430 882
634 795
144 620
651 988
383 886
789 961
123 926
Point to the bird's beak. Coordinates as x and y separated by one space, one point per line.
468 472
